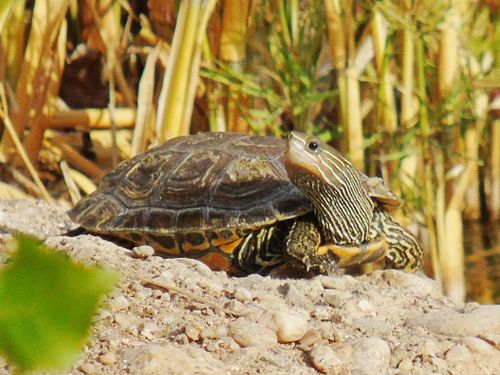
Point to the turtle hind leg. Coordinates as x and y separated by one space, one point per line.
405 252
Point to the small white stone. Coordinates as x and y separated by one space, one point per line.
479 346
214 332
324 359
333 282
242 294
289 326
459 353
310 338
148 330
405 365
119 302
247 333
336 298
108 359
366 307
143 251
125 320
88 368
371 355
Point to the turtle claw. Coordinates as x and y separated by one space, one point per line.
365 252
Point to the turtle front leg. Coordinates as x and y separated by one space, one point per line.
302 243
366 252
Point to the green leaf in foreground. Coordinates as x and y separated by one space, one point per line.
47 303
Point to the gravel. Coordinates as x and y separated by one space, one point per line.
175 316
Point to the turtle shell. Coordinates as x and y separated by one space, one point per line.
202 182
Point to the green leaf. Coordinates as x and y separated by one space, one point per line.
47 303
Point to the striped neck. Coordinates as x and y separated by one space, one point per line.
344 211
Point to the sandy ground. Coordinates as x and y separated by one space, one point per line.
176 316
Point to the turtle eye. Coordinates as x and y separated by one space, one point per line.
313 145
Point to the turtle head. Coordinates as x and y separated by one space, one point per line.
309 155
342 205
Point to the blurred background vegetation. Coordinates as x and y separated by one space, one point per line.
409 90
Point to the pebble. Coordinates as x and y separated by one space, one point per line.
405 365
193 331
148 330
242 294
143 251
213 332
336 298
483 320
324 359
247 333
119 302
371 355
311 338
480 346
108 359
328 282
289 326
125 320
322 312
172 360
366 307
415 283
88 368
459 353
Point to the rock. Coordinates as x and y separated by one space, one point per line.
371 355
289 326
310 338
143 251
328 282
88 368
108 359
415 283
126 320
459 353
242 294
336 298
214 332
247 333
119 302
170 359
479 346
324 359
483 320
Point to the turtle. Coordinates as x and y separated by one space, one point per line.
244 203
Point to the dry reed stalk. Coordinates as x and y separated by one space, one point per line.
83 182
20 149
54 71
92 118
233 41
386 110
340 28
36 83
8 191
105 16
77 160
495 169
181 77
73 191
145 104
409 109
425 151
14 37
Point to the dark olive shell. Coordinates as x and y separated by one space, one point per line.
202 182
